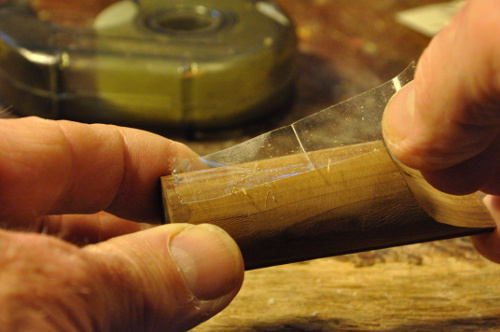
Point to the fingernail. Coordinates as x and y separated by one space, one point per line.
398 115
209 261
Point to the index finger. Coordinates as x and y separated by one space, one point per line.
55 167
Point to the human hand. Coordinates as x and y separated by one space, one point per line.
56 177
446 123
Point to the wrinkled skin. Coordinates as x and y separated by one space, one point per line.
87 185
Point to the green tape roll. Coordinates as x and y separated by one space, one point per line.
162 63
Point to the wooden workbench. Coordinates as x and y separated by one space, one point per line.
347 47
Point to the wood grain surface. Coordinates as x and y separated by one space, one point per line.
355 198
441 286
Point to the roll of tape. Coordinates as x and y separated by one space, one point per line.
151 63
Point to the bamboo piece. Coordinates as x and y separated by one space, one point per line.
319 204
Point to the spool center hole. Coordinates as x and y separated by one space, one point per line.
185 22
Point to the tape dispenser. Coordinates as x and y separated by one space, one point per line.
183 63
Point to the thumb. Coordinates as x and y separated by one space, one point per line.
446 122
170 277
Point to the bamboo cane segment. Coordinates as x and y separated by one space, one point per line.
326 203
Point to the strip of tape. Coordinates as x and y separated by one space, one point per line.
355 121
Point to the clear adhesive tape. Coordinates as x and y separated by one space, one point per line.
322 186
